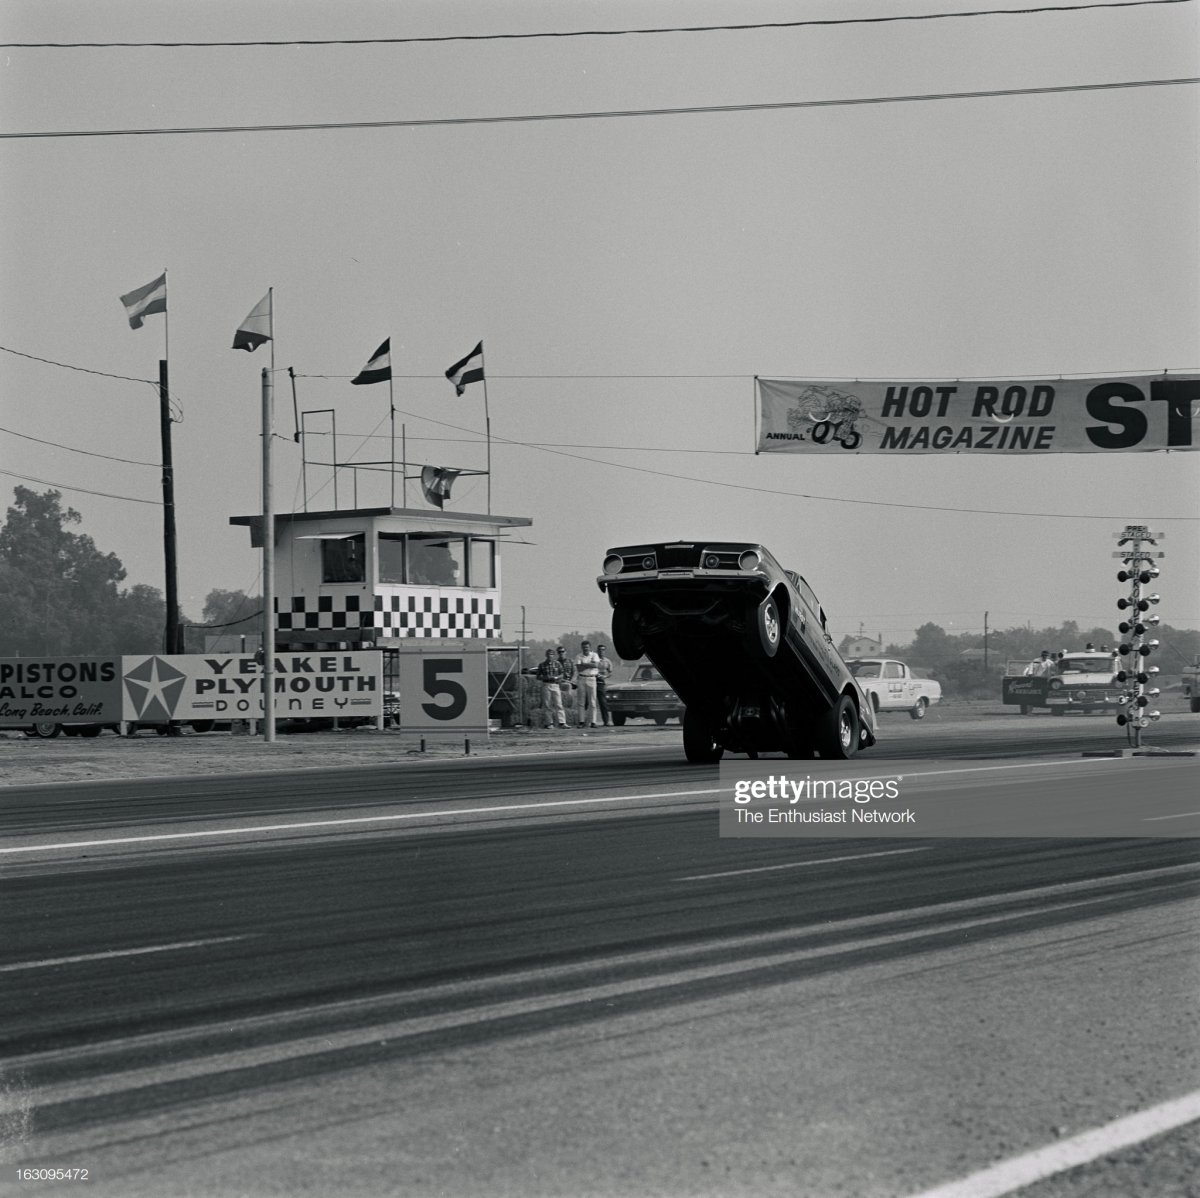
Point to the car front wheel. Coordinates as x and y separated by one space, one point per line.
45 729
918 709
767 629
626 641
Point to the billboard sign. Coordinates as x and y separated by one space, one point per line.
220 686
59 689
1011 416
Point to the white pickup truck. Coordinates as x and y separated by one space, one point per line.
892 686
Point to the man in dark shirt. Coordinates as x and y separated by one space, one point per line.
550 675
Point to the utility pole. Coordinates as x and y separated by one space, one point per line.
171 640
268 561
985 642
521 667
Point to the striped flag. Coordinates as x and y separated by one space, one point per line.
145 301
467 370
379 368
436 482
255 330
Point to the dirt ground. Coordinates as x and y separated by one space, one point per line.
75 759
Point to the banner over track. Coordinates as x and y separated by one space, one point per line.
1094 415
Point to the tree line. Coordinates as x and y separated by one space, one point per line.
966 666
61 595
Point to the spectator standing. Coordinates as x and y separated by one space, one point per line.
1040 667
606 668
568 669
550 675
587 670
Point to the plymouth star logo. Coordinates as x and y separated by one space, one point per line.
154 688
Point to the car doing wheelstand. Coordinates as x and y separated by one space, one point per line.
743 643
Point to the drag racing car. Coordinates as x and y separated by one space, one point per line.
743 643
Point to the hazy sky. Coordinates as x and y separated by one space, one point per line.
629 276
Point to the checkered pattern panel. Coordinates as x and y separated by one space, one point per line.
397 614
458 616
322 611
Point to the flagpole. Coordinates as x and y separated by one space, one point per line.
392 405
487 424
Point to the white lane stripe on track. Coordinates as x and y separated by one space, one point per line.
762 869
118 952
1019 1171
308 825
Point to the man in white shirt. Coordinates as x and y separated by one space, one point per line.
587 669
1041 667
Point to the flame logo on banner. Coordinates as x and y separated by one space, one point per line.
833 413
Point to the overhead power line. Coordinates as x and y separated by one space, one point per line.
712 482
612 114
72 449
573 33
82 490
82 369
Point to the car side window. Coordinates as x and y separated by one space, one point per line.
892 670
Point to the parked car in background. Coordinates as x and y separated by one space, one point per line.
892 686
1080 681
645 694
743 643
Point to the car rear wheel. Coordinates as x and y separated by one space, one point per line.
626 641
203 725
618 719
918 709
839 730
45 729
699 738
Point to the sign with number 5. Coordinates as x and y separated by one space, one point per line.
443 686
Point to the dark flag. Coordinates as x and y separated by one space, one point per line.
436 482
467 370
379 368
